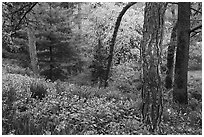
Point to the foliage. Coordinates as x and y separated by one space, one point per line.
195 56
37 106
126 77
14 67
66 109
55 45
70 109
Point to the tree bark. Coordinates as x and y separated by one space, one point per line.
170 58
151 62
32 50
117 24
182 54
170 53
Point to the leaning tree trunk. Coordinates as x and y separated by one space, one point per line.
151 62
182 54
117 24
32 50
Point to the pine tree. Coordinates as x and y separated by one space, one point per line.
55 47
98 66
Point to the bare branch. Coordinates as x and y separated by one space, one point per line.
21 8
195 33
196 28
25 15
197 11
173 3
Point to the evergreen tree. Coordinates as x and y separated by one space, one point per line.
55 47
98 64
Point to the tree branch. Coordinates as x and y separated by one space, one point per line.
173 3
194 29
21 8
197 11
195 33
25 15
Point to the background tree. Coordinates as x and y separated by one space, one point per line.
194 62
14 22
32 50
117 24
171 50
182 54
55 45
151 61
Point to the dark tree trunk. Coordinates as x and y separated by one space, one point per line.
151 62
170 58
182 54
117 24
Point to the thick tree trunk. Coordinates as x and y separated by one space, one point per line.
182 54
32 50
151 61
170 58
117 24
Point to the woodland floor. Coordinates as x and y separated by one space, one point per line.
72 109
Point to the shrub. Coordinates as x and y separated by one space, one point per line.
126 78
38 90
66 109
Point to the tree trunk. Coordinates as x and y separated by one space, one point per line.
117 24
32 50
79 19
171 52
182 54
170 58
151 62
51 62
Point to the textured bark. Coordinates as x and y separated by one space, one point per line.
171 53
151 62
32 50
170 57
182 54
117 24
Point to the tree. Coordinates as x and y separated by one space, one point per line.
182 54
117 24
98 64
195 31
170 58
15 15
32 50
171 52
151 62
56 49
14 20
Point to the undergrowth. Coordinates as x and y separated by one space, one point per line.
34 106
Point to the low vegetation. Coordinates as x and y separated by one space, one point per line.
35 106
